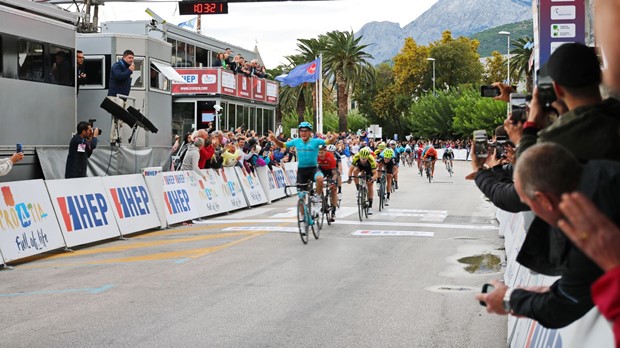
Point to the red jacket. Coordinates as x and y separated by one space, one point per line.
606 296
206 152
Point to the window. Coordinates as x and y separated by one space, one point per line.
62 69
190 59
94 68
202 57
157 79
30 60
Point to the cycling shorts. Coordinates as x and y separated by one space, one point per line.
308 174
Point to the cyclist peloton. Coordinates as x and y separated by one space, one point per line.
328 165
448 154
431 154
388 163
307 153
364 161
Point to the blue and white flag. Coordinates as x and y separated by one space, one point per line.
190 24
309 72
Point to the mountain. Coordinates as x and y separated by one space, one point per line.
490 41
461 17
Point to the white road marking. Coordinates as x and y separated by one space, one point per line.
366 222
380 233
262 228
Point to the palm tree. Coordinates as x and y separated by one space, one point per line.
345 66
520 61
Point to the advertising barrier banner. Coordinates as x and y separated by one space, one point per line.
212 193
234 192
290 169
251 187
28 225
131 202
83 211
276 182
179 198
153 179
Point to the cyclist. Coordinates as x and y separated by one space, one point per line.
329 169
397 152
307 154
364 161
388 163
448 154
430 154
408 153
380 149
338 155
418 156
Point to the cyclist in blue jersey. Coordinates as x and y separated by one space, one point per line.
307 154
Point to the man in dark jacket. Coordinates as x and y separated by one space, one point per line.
80 148
540 184
120 75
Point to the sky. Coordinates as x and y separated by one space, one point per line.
275 26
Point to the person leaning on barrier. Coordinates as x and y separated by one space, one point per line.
192 156
6 164
540 184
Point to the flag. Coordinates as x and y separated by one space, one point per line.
190 24
309 72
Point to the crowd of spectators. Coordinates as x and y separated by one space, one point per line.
238 65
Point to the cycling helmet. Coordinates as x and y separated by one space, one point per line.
331 148
392 142
388 153
381 146
305 125
364 153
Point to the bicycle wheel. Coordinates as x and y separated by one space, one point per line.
381 193
320 215
428 173
361 201
302 221
449 167
366 203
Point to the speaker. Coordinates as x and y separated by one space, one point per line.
142 120
118 112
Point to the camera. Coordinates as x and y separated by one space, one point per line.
486 288
480 143
489 91
92 123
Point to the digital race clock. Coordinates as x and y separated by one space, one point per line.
202 7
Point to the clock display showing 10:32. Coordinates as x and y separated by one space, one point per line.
202 7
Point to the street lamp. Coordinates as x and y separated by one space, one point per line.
433 60
507 33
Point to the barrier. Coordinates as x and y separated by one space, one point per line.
132 204
252 189
273 182
153 179
592 330
28 224
290 169
179 198
233 188
82 210
212 193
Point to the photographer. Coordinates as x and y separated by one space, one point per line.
80 148
590 129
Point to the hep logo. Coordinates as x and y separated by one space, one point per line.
130 201
83 211
177 201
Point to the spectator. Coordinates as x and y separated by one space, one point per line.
6 164
231 155
120 75
192 156
206 151
220 61
61 70
80 149
540 183
80 73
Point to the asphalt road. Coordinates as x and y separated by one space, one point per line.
246 280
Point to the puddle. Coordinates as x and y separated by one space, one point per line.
482 264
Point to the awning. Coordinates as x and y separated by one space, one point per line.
169 72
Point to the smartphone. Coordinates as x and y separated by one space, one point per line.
489 91
486 288
480 143
18 148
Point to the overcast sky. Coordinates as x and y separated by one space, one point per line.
276 26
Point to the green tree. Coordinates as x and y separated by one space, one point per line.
410 68
457 61
495 69
472 112
345 63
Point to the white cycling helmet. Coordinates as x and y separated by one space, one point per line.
331 148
